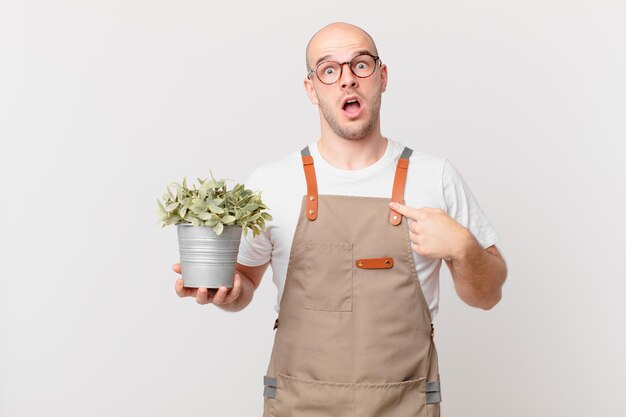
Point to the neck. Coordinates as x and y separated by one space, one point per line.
352 154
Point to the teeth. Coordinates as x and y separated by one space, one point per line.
351 101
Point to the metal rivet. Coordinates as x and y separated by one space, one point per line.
395 217
312 197
311 211
387 261
360 263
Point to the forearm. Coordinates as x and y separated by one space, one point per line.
247 292
478 275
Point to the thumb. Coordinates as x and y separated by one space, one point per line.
178 286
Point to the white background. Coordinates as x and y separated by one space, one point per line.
102 103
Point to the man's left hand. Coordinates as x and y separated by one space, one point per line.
433 233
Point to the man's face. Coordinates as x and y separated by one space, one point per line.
351 106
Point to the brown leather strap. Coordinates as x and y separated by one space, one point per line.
374 263
311 184
399 182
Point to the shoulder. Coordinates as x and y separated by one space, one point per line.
420 163
424 178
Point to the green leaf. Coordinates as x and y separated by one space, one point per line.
218 228
205 216
213 184
198 206
216 209
203 190
161 214
195 222
172 220
171 206
228 219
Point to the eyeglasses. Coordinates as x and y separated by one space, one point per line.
329 72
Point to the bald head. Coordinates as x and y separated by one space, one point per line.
333 36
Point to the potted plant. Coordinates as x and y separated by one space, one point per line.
210 220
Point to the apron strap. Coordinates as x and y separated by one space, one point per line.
397 195
269 389
433 392
311 183
399 182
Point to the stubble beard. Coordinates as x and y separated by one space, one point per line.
353 130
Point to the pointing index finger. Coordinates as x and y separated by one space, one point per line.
402 209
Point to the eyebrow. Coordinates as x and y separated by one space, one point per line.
359 52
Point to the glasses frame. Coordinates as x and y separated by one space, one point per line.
341 64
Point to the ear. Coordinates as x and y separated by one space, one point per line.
310 91
383 77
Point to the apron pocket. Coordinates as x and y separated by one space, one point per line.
298 397
328 276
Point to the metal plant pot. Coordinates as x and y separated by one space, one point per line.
206 259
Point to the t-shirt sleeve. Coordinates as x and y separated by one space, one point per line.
257 250
462 206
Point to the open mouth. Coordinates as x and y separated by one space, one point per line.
351 106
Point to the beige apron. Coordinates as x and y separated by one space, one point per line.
354 336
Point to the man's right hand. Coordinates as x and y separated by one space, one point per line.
218 296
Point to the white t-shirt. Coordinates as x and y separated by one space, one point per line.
431 182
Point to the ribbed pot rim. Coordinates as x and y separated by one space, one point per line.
191 225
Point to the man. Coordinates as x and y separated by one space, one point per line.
357 271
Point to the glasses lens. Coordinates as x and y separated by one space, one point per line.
328 72
363 65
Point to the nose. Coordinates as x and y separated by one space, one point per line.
348 79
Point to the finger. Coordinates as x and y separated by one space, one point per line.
203 296
416 243
416 248
183 291
176 268
403 209
234 293
220 296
